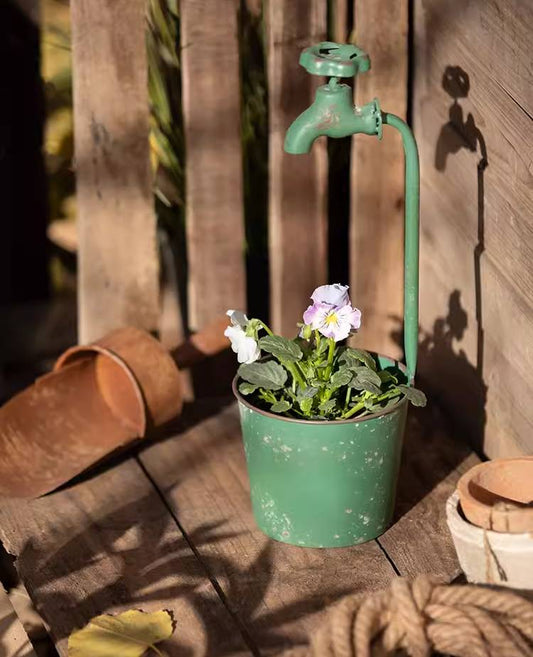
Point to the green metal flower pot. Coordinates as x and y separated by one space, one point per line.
319 483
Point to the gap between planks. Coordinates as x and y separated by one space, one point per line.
110 543
278 591
107 544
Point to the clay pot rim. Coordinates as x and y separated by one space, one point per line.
474 534
486 511
71 354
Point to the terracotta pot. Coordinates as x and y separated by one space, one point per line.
488 557
145 361
62 424
498 495
98 398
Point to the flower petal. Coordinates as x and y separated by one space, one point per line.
244 346
237 317
249 350
351 315
316 314
334 295
234 333
336 323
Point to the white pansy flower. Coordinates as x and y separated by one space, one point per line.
243 345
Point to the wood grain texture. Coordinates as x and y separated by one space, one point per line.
211 109
473 111
118 269
278 591
433 461
109 544
376 225
14 641
176 531
297 193
339 12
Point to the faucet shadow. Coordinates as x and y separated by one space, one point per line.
466 391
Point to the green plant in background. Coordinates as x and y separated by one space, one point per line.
315 376
57 76
166 135
254 139
167 142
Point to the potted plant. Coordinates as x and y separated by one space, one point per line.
322 425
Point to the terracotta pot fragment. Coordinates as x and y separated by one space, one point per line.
98 398
498 495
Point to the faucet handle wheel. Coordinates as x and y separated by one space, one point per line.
334 60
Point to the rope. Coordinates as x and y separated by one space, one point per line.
422 617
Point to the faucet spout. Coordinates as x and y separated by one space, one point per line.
332 114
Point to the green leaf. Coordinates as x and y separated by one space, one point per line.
281 348
367 386
322 347
246 388
369 376
281 406
269 375
353 356
129 634
415 396
366 379
328 406
340 378
387 377
306 405
307 393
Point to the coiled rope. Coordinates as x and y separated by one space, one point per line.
422 617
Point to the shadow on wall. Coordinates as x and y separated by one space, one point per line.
466 393
445 373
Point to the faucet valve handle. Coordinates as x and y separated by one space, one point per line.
334 60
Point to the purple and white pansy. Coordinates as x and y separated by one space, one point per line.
332 313
314 376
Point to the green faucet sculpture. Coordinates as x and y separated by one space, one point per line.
333 114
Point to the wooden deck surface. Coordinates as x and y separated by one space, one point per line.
170 526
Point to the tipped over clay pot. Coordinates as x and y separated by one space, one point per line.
143 360
498 495
98 398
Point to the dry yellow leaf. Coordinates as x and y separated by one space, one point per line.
129 634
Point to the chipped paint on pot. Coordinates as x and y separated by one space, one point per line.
320 483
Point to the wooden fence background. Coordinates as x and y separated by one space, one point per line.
297 202
471 93
473 115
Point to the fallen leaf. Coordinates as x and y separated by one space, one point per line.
129 634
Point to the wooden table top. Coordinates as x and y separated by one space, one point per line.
169 525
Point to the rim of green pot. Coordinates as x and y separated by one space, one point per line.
283 418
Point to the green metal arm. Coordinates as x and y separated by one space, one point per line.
411 256
332 114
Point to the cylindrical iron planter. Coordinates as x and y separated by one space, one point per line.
319 483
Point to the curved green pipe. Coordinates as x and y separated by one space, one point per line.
411 255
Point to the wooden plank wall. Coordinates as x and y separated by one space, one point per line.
118 271
297 191
473 118
211 109
377 178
